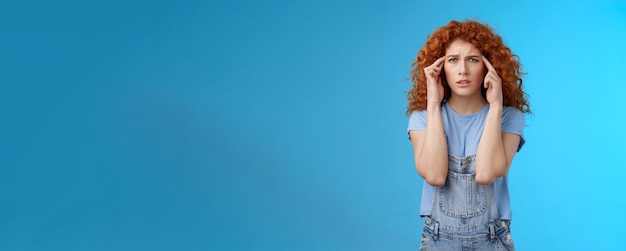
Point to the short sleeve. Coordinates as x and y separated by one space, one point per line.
513 122
417 121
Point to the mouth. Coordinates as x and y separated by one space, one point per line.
463 83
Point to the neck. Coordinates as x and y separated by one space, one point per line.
467 105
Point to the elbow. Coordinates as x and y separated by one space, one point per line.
433 178
436 180
484 180
434 174
486 175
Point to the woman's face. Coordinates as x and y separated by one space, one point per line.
464 68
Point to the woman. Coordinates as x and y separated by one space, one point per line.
466 124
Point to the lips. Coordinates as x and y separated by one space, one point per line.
463 83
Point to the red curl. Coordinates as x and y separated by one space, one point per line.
506 63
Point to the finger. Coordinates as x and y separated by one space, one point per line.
432 72
488 64
435 69
486 80
494 77
493 80
493 74
489 80
439 62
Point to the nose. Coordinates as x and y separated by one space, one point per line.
463 69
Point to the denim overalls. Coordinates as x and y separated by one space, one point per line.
464 214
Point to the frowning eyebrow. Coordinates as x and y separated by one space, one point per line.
457 55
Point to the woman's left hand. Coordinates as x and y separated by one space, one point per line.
493 83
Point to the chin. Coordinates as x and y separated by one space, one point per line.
465 92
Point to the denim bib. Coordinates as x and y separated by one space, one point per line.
464 214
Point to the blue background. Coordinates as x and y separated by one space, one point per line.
280 125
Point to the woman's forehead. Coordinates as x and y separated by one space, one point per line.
461 47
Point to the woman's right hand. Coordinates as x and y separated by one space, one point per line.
434 86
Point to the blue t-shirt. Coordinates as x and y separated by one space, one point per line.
463 133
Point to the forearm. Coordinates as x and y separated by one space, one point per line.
491 161
432 160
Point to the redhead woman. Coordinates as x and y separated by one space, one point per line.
466 122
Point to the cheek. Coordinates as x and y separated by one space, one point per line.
479 73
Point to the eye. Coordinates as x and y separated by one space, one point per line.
452 60
473 60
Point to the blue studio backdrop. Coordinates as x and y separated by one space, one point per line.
280 125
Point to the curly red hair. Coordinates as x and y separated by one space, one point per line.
490 45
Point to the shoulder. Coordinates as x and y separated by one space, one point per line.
417 112
509 112
513 120
417 120
419 115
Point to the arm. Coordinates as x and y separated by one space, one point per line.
430 148
496 149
